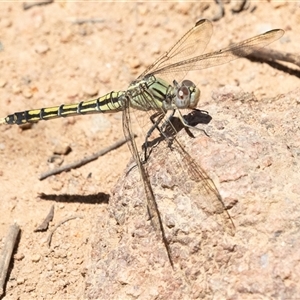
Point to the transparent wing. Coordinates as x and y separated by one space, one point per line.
212 202
151 202
223 56
192 44
184 56
189 177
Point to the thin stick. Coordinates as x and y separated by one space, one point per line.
7 251
60 223
85 160
28 5
45 224
82 21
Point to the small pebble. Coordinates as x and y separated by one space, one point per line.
134 63
59 267
184 8
20 280
90 89
36 258
16 89
57 185
19 256
49 266
66 36
104 78
42 48
27 92
5 23
2 83
62 149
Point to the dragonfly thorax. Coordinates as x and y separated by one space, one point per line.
187 94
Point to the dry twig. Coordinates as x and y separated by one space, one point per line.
7 251
27 5
82 21
85 160
60 223
45 224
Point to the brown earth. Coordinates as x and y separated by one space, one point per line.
50 57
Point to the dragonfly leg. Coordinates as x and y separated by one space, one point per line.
187 126
155 119
166 123
168 129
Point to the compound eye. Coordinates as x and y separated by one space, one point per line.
183 92
182 97
187 83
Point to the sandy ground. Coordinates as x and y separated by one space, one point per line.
50 57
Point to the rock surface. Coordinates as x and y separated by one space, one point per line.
252 153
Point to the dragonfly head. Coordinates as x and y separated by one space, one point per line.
187 94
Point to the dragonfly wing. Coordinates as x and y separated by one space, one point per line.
186 186
223 56
151 202
192 44
204 187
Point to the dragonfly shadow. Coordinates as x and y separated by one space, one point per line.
67 198
197 116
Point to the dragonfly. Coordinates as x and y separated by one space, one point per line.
163 91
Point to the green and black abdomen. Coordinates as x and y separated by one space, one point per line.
111 102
